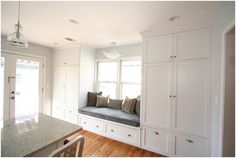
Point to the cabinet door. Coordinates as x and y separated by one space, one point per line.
192 44
71 115
59 58
192 97
158 48
72 86
58 112
157 88
72 56
58 86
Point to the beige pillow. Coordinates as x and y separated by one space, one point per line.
129 105
115 103
102 101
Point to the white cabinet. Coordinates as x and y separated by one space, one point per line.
189 146
158 48
158 87
192 44
68 95
176 93
156 140
192 97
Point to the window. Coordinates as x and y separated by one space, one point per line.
119 79
107 78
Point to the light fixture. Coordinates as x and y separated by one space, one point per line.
17 38
69 39
112 53
174 18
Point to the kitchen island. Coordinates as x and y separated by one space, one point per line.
34 135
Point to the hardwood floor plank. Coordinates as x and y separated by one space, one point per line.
99 146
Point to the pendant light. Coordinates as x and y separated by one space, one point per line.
17 38
112 53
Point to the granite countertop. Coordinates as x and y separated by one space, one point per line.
26 135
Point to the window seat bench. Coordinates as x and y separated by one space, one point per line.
111 115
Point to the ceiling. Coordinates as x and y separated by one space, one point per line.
47 22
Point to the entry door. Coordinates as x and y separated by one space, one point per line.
21 85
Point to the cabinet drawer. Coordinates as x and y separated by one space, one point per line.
92 125
155 140
121 133
187 146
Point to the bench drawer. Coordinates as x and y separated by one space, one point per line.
122 133
92 124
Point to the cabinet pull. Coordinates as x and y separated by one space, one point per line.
84 122
112 130
174 56
171 56
129 135
174 96
170 96
157 133
97 126
188 141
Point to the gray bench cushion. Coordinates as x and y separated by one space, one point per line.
111 115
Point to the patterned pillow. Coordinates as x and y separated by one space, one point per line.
92 98
115 103
129 105
102 101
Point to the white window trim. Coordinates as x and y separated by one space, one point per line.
118 83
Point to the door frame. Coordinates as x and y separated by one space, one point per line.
227 28
42 83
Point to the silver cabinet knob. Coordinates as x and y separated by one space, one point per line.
97 126
157 133
112 130
129 135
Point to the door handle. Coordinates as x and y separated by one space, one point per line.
12 97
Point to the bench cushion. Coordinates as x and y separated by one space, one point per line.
111 115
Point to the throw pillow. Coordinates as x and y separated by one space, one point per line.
92 98
129 105
137 106
115 103
102 101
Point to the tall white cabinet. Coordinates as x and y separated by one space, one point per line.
176 105
73 77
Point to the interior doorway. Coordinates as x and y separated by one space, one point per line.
229 95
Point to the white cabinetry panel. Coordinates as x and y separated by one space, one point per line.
59 86
159 48
157 90
72 86
192 44
192 97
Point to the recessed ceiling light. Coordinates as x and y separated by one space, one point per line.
174 18
69 39
74 21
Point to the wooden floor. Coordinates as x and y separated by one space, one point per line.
99 146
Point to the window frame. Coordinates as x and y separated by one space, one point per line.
119 81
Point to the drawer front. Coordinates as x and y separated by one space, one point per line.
187 146
92 125
156 140
121 133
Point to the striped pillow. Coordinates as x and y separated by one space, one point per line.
102 101
129 105
115 103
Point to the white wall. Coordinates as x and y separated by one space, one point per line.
37 50
132 50
224 17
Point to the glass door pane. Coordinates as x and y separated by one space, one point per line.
27 87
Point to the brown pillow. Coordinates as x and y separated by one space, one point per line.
102 101
92 98
129 105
